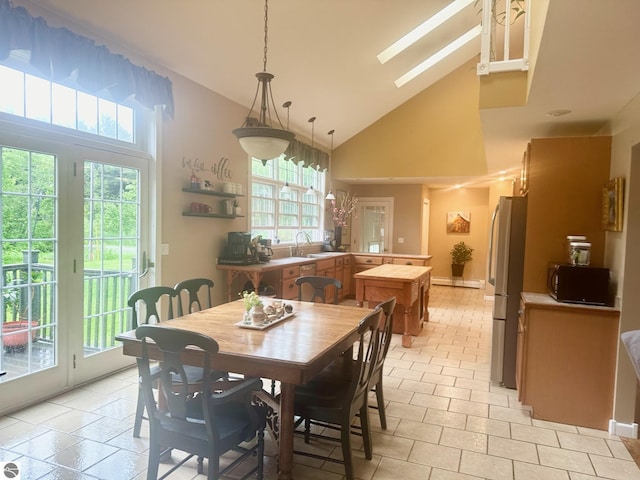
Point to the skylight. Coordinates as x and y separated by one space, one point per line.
438 56
421 30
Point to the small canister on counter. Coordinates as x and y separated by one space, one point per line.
580 253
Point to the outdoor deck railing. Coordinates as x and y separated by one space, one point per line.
105 302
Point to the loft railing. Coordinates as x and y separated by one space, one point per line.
504 41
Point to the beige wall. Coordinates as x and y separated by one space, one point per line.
473 200
199 135
407 218
436 133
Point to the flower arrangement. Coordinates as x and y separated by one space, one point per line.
347 208
251 299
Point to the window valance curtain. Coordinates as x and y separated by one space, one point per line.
60 54
311 157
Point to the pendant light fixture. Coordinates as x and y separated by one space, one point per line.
285 188
310 190
330 195
256 136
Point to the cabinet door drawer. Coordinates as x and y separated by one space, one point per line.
362 260
339 261
408 261
291 272
325 264
289 289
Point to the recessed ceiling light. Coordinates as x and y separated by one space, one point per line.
438 56
423 29
558 113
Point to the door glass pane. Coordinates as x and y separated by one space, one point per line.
28 305
111 245
372 228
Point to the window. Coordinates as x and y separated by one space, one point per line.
280 215
35 98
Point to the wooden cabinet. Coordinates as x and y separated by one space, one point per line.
289 289
347 275
419 262
566 361
327 268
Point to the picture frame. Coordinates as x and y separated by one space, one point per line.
612 205
458 222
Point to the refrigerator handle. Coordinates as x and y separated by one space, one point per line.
492 274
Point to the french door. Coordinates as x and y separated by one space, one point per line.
73 235
372 228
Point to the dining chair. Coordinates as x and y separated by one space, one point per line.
334 405
144 310
192 287
386 327
206 423
319 285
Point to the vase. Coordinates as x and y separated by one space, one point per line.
257 314
338 237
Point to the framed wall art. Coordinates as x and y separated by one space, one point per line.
458 222
612 205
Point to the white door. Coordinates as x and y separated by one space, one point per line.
71 249
372 229
426 213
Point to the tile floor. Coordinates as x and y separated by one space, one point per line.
447 421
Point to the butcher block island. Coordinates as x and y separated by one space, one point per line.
409 284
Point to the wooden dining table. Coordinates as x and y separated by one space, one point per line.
292 351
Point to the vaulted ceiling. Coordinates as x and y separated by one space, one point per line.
323 56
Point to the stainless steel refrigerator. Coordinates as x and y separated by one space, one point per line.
506 266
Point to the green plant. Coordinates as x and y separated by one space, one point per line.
461 253
251 299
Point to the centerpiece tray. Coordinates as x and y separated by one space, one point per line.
264 326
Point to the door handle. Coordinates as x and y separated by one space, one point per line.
146 265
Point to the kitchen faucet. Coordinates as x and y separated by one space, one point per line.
297 250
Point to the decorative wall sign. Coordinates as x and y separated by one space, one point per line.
458 222
612 204
219 169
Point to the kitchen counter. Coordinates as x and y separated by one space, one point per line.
566 360
544 300
255 272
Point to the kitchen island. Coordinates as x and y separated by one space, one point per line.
409 284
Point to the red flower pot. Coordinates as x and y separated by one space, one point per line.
20 339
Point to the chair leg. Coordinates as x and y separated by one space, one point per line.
137 424
154 461
345 440
380 400
260 452
307 429
366 431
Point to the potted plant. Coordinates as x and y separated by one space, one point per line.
461 253
254 307
17 309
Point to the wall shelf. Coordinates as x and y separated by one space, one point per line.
211 192
210 215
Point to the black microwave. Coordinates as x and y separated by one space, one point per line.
579 284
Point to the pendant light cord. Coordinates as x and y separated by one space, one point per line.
266 37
